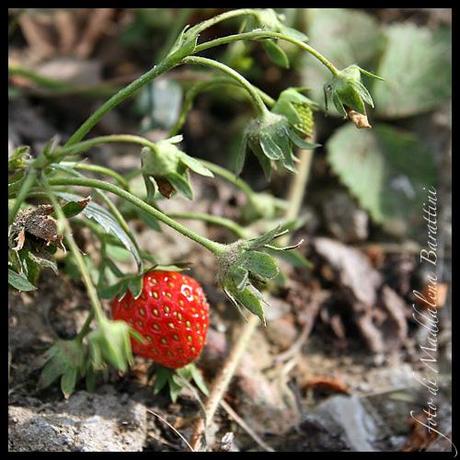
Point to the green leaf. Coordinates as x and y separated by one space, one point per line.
107 222
195 165
113 268
19 281
110 292
184 45
386 170
75 207
276 53
251 299
198 379
162 376
181 184
148 219
261 264
293 257
240 277
90 378
68 382
240 156
65 358
17 159
345 36
117 253
110 344
135 285
43 262
266 238
417 69
174 390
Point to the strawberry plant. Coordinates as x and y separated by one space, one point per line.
157 312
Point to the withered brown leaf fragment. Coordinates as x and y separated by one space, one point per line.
37 222
357 118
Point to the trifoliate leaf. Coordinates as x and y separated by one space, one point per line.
386 170
417 68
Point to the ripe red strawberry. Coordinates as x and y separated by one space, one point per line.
172 315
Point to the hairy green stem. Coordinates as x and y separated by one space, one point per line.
224 16
257 35
98 169
83 146
258 102
238 230
212 246
75 250
118 98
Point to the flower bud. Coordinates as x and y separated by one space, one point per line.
165 169
271 138
298 109
347 91
244 266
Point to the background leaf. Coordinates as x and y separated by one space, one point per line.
19 281
345 36
108 223
385 169
416 66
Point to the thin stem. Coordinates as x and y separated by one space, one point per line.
86 327
258 102
212 246
297 188
238 230
223 16
209 85
22 195
117 99
98 169
83 146
257 35
223 379
75 250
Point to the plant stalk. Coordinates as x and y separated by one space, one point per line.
222 380
257 35
212 246
91 290
258 102
118 98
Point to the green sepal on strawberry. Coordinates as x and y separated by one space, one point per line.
171 314
176 379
